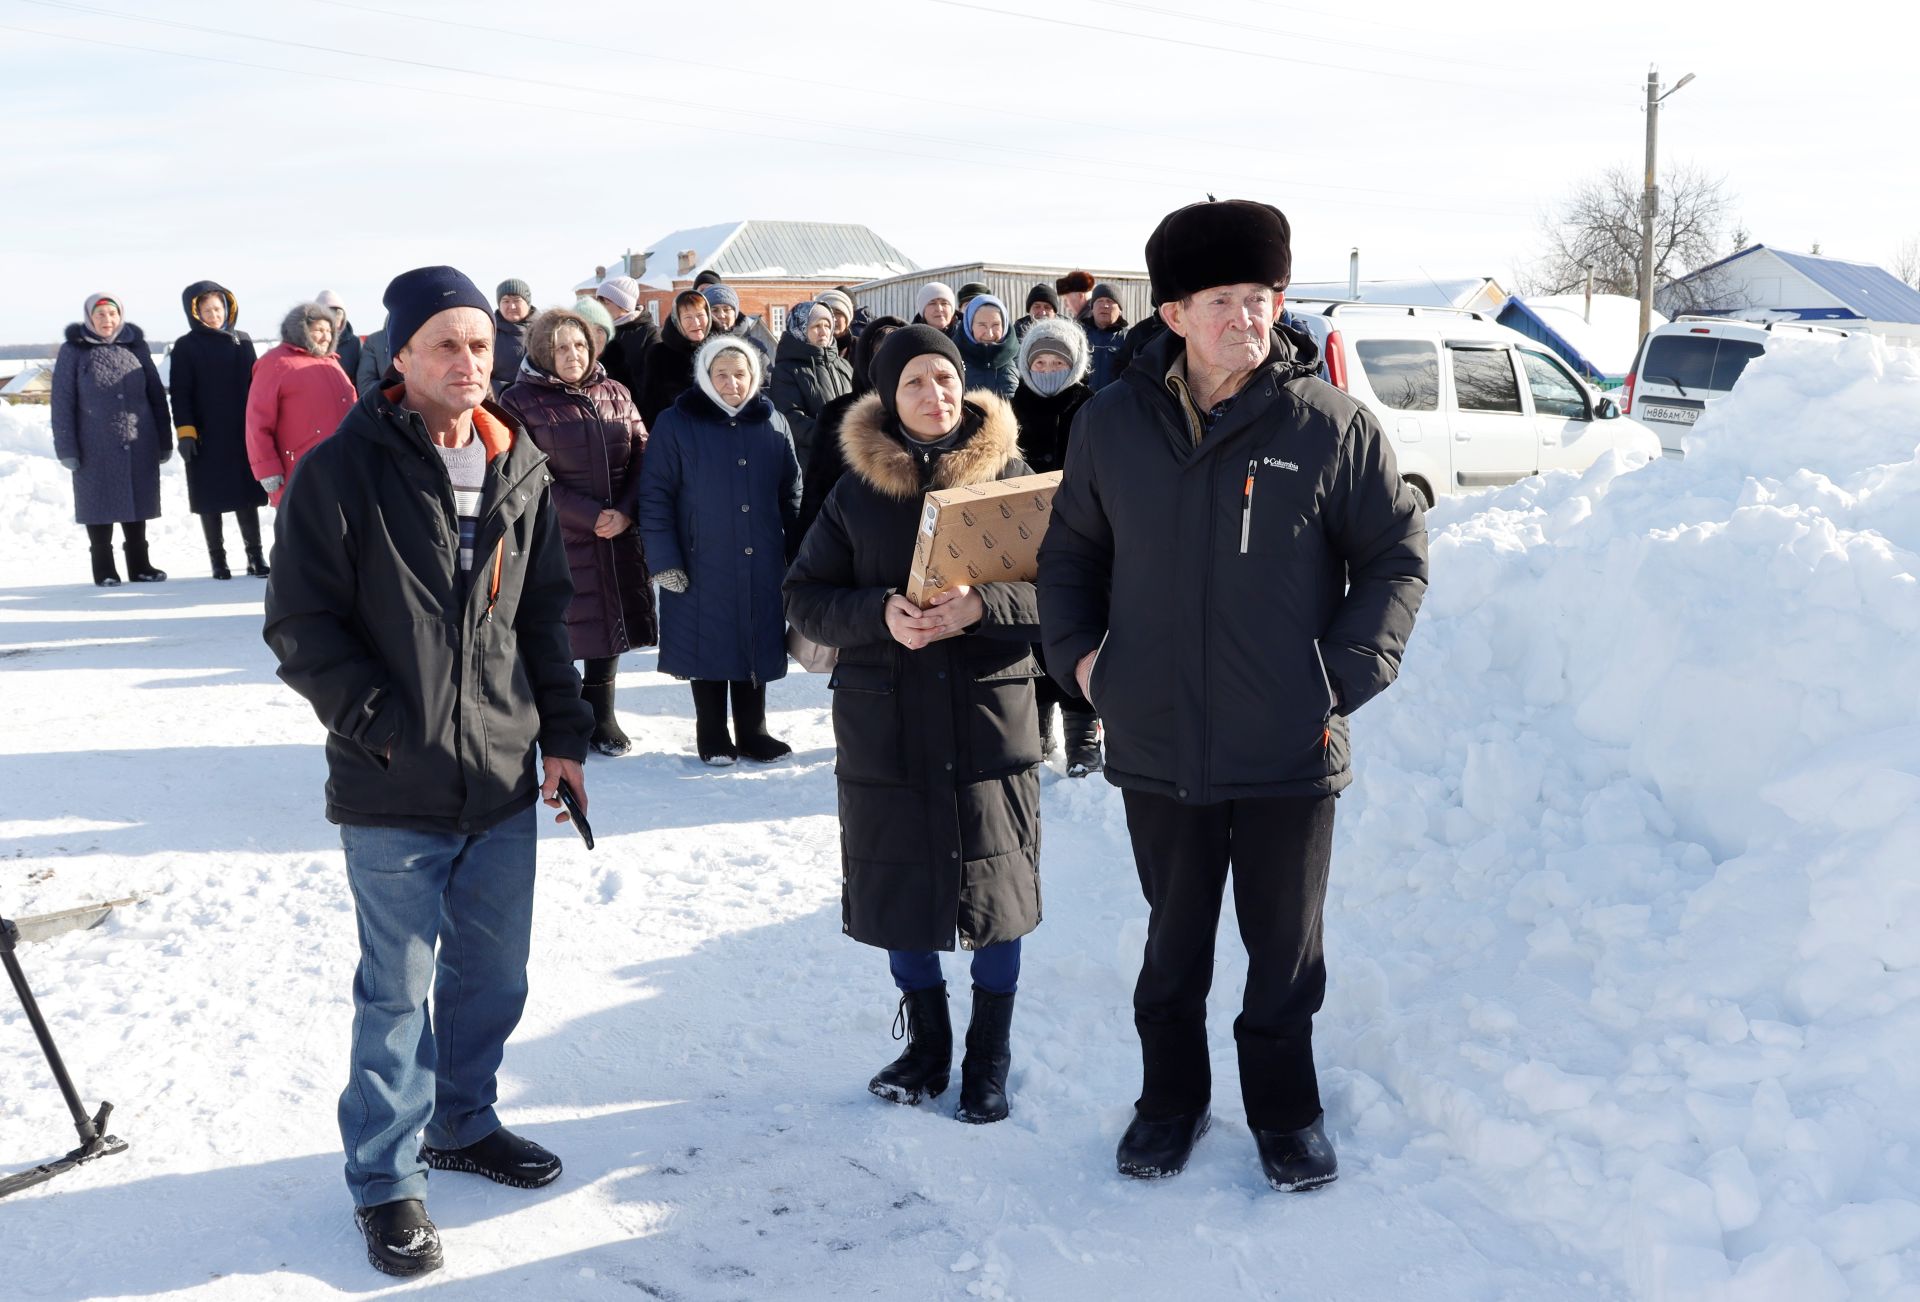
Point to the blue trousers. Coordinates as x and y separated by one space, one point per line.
996 968
472 897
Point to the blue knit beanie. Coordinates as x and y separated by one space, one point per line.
415 296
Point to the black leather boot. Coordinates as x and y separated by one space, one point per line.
400 1238
1297 1160
983 1071
217 557
1155 1149
608 737
926 1067
257 562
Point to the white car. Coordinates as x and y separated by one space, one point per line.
1692 361
1467 403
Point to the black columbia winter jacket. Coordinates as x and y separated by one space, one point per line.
1236 629
376 627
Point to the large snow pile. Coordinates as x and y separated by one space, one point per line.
1624 935
1627 905
1607 333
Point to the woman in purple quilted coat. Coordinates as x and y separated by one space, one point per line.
587 425
112 429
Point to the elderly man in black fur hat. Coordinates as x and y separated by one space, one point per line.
1232 570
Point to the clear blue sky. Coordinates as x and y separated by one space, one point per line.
149 146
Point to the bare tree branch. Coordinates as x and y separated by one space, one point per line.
1598 226
1906 261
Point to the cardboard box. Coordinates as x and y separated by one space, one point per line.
983 533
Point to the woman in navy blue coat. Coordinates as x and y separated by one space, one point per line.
719 496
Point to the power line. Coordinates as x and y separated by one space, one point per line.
1130 173
1202 45
1422 55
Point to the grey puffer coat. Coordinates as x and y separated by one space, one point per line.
110 413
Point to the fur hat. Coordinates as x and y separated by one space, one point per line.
1043 294
413 297
1220 242
594 313
718 295
836 302
710 351
513 286
930 291
1074 282
622 291
294 332
901 347
1063 337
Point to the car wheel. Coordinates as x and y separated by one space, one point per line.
1421 490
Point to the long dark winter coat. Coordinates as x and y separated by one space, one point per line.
347 347
1104 346
110 412
718 496
669 373
594 442
625 356
373 362
209 375
509 350
938 749
435 687
1227 673
805 379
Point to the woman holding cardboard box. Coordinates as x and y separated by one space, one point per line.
934 718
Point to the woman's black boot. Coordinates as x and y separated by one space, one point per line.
608 737
983 1072
927 1065
750 724
710 733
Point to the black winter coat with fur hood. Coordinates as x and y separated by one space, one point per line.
938 749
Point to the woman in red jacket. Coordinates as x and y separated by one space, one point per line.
299 397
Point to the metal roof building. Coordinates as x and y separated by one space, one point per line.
835 253
1764 284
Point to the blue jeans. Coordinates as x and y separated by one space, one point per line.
473 895
996 968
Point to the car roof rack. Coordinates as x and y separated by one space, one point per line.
1335 307
1809 326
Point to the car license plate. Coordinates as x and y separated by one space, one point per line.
1677 415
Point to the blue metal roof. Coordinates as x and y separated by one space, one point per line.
1874 292
1516 315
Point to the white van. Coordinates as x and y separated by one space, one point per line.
1466 402
1691 361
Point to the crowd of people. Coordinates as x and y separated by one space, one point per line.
1233 566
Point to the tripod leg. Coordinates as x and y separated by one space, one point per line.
81 1121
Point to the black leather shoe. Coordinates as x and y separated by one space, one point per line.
1153 1150
400 1238
1297 1160
925 1068
503 1157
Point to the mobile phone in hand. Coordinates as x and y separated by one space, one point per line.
578 819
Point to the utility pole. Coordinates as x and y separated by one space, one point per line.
1650 196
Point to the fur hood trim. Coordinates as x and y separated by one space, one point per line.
710 351
1060 330
293 329
878 456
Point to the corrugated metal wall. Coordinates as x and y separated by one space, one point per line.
894 296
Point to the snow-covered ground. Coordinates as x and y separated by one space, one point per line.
1624 941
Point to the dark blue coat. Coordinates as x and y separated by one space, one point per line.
110 413
1103 349
718 496
994 367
